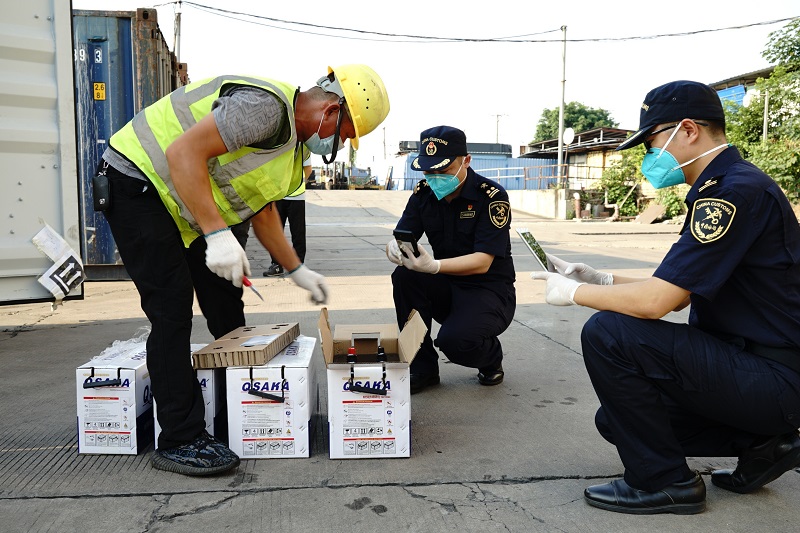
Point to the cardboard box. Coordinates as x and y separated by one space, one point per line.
212 382
270 406
246 346
114 402
369 401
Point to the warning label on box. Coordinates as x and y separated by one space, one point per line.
267 427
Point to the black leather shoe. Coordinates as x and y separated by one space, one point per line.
491 376
423 381
761 464
687 497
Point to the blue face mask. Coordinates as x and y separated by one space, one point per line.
662 169
444 184
322 146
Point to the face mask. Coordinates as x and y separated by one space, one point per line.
662 169
444 184
322 146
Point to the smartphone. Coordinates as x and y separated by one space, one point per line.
535 248
403 235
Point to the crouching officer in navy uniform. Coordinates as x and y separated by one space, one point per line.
727 384
467 285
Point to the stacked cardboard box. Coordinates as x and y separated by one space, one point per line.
114 401
270 406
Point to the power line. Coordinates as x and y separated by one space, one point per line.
394 37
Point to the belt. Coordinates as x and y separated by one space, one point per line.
786 356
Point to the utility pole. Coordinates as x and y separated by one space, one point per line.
384 143
176 45
561 109
497 128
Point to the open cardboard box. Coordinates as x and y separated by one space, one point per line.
369 401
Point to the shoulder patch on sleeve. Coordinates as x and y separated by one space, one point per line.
421 184
499 213
711 218
490 190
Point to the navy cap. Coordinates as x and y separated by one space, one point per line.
674 101
439 147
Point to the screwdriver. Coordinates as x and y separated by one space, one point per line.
247 283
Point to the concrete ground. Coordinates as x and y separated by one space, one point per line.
515 457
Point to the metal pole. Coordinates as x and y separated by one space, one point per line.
766 113
561 108
177 44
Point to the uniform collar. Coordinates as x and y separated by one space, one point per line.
470 188
716 169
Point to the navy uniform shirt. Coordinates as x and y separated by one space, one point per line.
739 255
478 220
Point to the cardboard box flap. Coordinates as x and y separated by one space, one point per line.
411 337
325 335
399 347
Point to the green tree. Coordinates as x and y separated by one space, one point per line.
783 47
576 116
777 99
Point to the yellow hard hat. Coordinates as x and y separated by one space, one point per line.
364 93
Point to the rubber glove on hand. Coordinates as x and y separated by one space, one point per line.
225 257
424 263
581 272
311 281
559 290
393 252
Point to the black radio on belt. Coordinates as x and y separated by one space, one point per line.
101 190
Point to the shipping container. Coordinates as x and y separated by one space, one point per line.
122 64
37 144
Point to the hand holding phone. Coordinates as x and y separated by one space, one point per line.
402 235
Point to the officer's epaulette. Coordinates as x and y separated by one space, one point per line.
420 186
490 190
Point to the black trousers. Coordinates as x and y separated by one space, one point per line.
167 275
471 317
670 391
295 212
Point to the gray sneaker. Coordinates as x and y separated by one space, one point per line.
204 456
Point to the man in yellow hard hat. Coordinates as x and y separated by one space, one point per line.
207 157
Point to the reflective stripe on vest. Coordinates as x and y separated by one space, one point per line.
242 182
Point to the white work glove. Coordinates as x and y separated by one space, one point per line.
311 281
581 272
225 257
393 252
559 290
424 263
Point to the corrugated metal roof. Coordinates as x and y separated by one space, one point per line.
585 141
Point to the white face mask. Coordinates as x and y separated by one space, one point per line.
322 146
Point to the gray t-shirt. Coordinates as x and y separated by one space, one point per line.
244 116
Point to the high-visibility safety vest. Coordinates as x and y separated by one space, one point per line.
242 182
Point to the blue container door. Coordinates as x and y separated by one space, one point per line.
104 102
